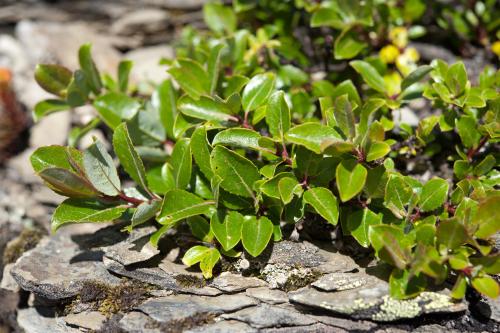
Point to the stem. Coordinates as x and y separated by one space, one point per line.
474 151
284 154
131 200
245 121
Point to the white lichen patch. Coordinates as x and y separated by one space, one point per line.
339 281
392 309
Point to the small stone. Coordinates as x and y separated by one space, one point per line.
285 277
490 308
42 320
293 253
230 283
136 248
138 322
224 326
271 296
146 67
8 282
339 281
266 315
142 21
90 320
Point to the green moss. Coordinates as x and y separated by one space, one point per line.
190 281
301 279
27 239
178 326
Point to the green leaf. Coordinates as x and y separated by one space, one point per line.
257 91
434 194
84 211
68 183
456 78
278 115
180 204
201 151
386 240
487 286
164 100
487 217
287 187
67 158
460 287
100 169
347 45
350 178
181 162
370 75
256 234
128 156
124 68
377 150
213 66
397 195
53 78
312 136
324 203
404 285
227 228
219 18
270 187
485 165
238 174
415 76
451 233
467 129
344 116
89 68
346 87
144 212
78 90
200 228
242 138
192 77
160 178
205 108
115 107
194 255
358 224
48 106
208 262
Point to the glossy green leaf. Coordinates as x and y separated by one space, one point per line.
485 165
129 159
67 158
227 228
124 68
415 76
456 78
53 78
78 89
238 174
358 224
201 151
256 234
434 194
192 77
397 195
181 162
324 203
213 66
208 262
49 106
350 177
459 288
370 75
77 133
84 211
405 285
219 18
451 233
312 136
467 129
115 107
200 228
278 115
68 183
377 150
488 217
242 138
287 187
89 68
205 108
100 169
160 178
164 99
257 91
145 212
487 286
180 204
347 45
386 240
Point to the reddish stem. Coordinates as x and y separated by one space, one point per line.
474 151
131 200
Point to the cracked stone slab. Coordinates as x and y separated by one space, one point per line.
345 323
293 253
42 320
265 315
58 268
315 328
158 277
224 326
137 322
230 282
266 295
340 281
182 307
134 249
372 301
92 320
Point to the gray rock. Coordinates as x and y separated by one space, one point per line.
92 320
491 308
230 282
138 322
339 281
285 277
146 63
296 254
346 324
434 328
405 115
42 320
266 315
372 301
141 21
271 296
182 307
224 326
316 328
58 268
136 248
8 282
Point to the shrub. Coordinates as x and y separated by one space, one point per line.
249 139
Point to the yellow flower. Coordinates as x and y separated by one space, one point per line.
412 54
399 37
496 48
407 62
392 83
389 54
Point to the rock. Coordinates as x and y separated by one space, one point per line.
490 308
345 324
141 21
136 248
372 301
51 130
8 282
316 328
266 315
138 322
339 281
180 4
224 326
89 320
405 115
58 268
42 320
146 63
230 282
271 296
434 328
293 253
285 277
183 307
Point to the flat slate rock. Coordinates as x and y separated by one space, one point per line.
340 281
230 282
42 320
136 321
372 301
58 268
91 320
224 326
182 307
265 315
266 295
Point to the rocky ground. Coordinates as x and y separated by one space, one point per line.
96 278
